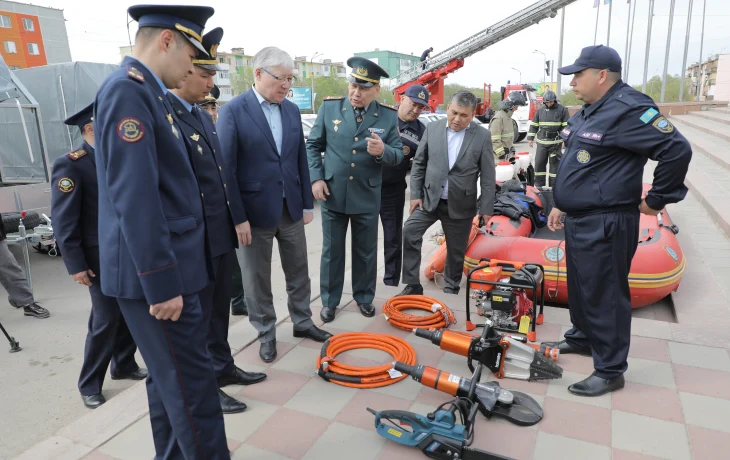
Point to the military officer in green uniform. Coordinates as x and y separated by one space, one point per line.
358 135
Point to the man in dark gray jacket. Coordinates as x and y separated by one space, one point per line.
444 188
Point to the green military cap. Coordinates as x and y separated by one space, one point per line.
365 72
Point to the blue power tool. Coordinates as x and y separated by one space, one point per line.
437 435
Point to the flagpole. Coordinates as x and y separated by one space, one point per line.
666 53
626 52
608 34
702 39
628 59
595 34
648 44
560 50
686 47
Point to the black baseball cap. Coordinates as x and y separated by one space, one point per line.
594 57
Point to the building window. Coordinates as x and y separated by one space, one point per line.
223 75
28 24
5 21
14 67
33 49
239 62
10 47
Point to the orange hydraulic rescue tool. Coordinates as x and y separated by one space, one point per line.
504 355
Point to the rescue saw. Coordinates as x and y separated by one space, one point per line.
504 355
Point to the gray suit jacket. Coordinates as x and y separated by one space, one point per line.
430 171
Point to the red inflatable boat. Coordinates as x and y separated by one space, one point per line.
656 270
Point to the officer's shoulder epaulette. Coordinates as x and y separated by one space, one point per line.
334 98
633 98
135 74
388 106
76 154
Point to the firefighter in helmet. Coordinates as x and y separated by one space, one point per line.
501 126
549 120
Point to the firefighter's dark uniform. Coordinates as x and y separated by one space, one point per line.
393 194
545 130
599 187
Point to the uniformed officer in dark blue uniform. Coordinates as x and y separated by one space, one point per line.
598 189
152 242
222 210
393 195
74 207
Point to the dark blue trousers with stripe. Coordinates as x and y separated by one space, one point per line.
599 249
185 412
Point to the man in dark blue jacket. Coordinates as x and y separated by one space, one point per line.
223 215
152 243
74 207
598 191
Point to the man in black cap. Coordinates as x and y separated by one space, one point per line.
210 103
223 215
152 243
357 135
74 207
393 198
598 193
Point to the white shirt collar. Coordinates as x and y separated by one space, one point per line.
260 97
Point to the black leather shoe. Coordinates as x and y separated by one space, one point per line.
314 333
267 352
240 377
229 404
139 374
239 307
596 386
411 289
367 309
566 349
448 290
327 314
93 401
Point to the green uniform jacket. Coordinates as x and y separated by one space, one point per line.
503 133
353 176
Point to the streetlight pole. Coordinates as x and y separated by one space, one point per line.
544 60
312 95
519 73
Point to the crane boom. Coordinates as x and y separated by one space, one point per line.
451 59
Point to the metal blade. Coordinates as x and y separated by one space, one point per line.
544 368
476 454
524 410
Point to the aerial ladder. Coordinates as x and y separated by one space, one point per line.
450 60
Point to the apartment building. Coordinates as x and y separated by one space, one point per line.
713 77
32 35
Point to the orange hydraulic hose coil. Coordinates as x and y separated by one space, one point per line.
440 318
363 377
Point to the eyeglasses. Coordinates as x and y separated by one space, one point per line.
290 80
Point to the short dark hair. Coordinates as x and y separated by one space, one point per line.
464 98
146 34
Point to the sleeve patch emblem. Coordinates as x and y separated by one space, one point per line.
66 185
648 115
130 130
663 125
583 157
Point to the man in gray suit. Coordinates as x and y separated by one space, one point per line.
453 154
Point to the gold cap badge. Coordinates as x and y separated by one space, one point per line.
422 95
362 71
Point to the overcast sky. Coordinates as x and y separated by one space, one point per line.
96 29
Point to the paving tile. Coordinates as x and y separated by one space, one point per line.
707 444
661 403
349 321
277 389
503 438
699 356
428 354
250 354
552 447
553 315
702 381
285 333
648 348
576 363
233 445
577 421
55 447
539 387
98 456
355 413
650 328
619 454
316 345
299 430
405 389
247 452
133 443
395 451
650 436
344 441
320 398
455 364
240 426
549 332
300 360
430 397
381 326
705 411
649 372
559 389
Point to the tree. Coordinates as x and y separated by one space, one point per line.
242 80
654 89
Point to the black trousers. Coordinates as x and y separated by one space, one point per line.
599 250
546 155
108 339
237 287
215 301
393 198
